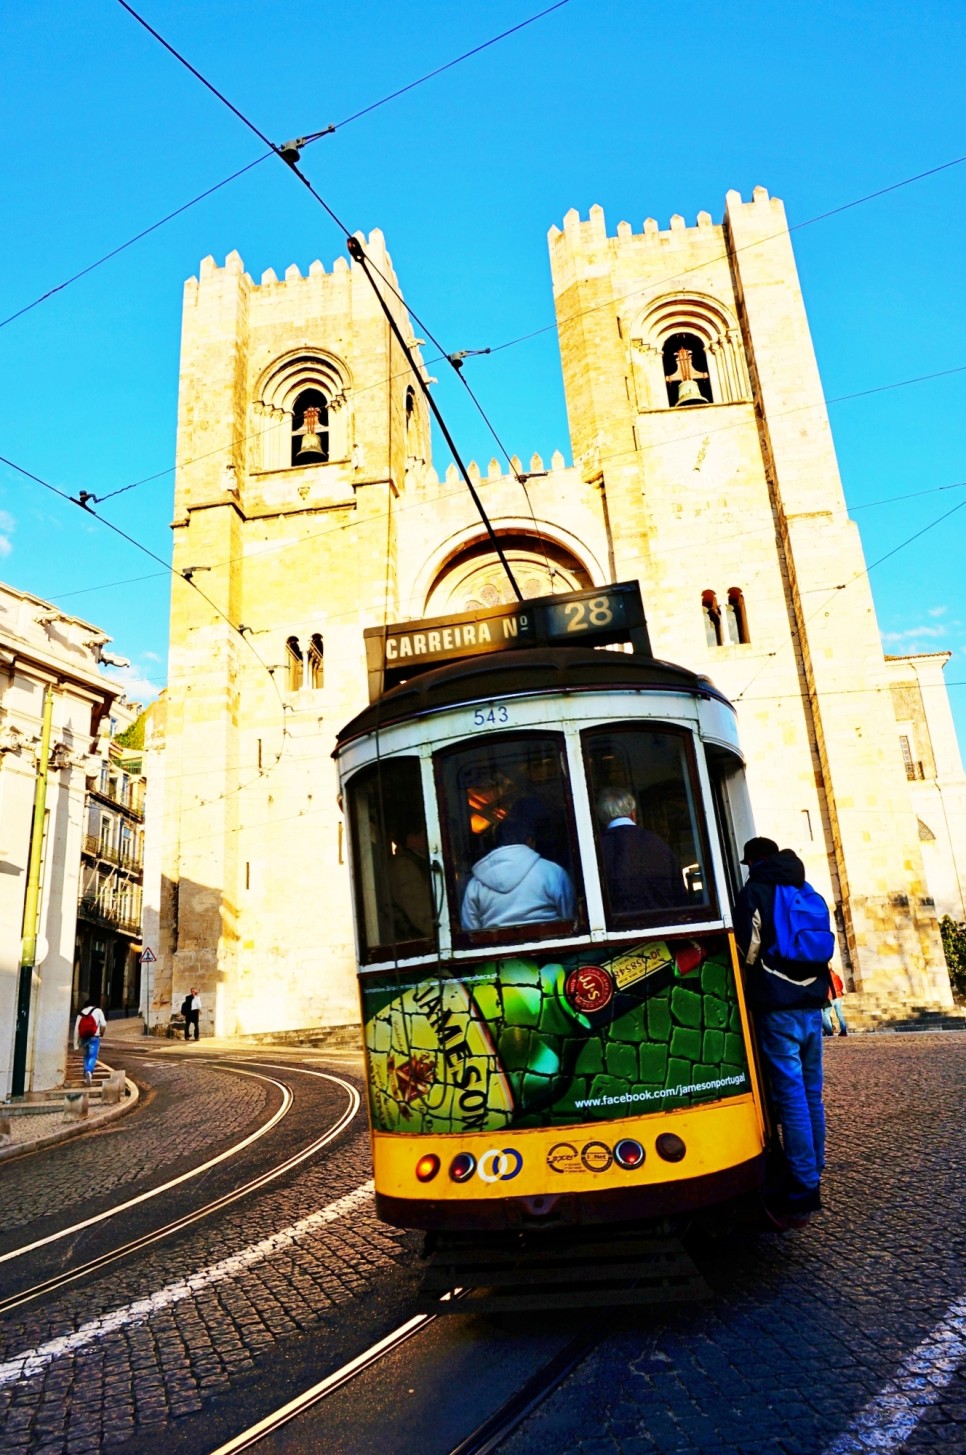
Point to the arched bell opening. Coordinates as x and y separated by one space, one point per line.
310 428
686 371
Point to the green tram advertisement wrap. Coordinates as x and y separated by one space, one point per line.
548 1040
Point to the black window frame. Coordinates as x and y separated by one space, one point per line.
621 921
374 953
509 934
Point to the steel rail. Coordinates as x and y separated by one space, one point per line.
332 1382
60 1280
485 1439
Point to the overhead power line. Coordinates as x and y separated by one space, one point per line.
303 142
290 155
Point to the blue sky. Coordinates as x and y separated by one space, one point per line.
645 109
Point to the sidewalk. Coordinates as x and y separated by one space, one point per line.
44 1124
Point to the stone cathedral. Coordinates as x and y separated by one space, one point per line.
307 508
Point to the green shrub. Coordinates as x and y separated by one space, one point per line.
954 945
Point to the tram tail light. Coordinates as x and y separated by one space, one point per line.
629 1154
427 1167
462 1167
670 1147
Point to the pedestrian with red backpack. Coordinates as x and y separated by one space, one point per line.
89 1026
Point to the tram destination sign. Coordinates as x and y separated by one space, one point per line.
597 617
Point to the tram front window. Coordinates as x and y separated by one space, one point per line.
394 899
511 846
651 846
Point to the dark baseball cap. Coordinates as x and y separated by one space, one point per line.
756 849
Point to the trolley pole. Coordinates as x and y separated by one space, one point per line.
31 908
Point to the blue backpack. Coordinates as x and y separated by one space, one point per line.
803 930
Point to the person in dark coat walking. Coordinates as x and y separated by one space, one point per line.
191 1010
640 871
786 999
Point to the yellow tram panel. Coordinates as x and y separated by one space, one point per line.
551 1160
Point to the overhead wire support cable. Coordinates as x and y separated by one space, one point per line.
298 144
289 154
357 253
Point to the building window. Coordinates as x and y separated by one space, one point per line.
107 834
712 618
686 371
316 661
305 669
293 658
912 767
310 428
736 618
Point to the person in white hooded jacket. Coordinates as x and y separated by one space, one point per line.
513 885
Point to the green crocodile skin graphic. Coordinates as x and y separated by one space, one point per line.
532 1041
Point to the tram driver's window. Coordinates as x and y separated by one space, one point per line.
651 846
511 849
393 882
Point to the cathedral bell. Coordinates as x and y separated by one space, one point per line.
311 446
686 377
689 392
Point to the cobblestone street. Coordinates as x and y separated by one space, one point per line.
222 1320
807 1330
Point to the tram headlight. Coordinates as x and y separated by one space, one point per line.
427 1167
629 1154
670 1147
462 1167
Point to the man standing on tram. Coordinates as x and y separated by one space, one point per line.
786 997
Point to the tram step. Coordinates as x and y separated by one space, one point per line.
630 1270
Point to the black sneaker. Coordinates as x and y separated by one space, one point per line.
808 1200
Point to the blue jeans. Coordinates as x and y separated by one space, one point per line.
791 1050
90 1049
827 1021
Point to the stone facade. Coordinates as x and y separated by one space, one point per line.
730 512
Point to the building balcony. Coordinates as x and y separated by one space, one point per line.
123 858
108 915
123 798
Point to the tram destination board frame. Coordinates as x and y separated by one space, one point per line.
596 617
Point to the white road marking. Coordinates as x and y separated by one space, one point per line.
888 1421
33 1360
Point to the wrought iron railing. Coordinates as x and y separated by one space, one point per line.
125 858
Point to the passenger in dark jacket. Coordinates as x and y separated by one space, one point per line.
786 998
640 871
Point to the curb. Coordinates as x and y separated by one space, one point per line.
125 1105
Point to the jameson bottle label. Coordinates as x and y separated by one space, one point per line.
531 1041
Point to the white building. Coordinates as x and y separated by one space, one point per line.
42 648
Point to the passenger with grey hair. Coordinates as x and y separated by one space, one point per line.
641 874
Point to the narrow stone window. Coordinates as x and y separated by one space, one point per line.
686 371
310 428
913 769
316 661
712 618
736 618
293 657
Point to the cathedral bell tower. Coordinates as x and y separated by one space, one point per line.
696 410
299 419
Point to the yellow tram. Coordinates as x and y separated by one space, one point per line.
544 824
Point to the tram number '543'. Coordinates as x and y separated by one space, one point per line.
492 716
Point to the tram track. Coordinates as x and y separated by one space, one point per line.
156 1235
484 1437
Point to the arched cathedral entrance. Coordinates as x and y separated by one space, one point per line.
475 577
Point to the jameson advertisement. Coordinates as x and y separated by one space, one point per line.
544 1040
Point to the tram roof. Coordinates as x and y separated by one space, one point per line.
535 672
